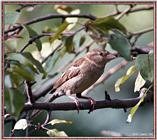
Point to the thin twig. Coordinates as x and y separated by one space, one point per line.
142 31
123 13
33 39
28 91
137 9
52 53
137 35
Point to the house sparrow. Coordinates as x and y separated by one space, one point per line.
82 74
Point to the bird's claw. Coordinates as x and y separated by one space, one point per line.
92 102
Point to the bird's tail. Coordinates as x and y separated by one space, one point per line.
54 95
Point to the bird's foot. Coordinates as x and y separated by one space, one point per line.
92 102
77 103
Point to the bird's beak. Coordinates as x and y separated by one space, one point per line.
110 56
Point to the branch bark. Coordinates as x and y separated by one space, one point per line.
48 17
115 103
51 16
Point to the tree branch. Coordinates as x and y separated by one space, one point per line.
48 17
137 9
51 16
115 103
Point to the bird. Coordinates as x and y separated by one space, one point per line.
80 75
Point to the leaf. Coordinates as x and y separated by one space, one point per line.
22 71
69 44
61 28
145 64
63 9
57 121
27 60
139 82
11 17
21 124
124 78
34 61
18 101
32 34
134 109
121 44
105 24
82 40
56 133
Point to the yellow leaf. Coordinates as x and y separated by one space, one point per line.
124 78
139 82
57 121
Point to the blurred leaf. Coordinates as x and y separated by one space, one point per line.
63 9
66 9
105 24
56 133
7 81
61 28
11 17
121 44
27 60
82 40
35 62
69 44
7 99
14 100
21 124
18 101
145 64
124 78
15 79
57 121
32 34
22 71
139 82
134 109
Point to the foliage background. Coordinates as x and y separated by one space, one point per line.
85 124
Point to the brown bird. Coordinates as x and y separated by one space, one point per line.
80 75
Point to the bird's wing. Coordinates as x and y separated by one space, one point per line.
73 71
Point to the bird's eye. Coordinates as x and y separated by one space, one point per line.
100 53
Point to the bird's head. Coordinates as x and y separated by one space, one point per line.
99 56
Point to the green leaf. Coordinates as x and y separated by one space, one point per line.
61 28
105 24
145 64
27 60
57 121
23 72
121 44
15 79
69 44
32 34
124 78
34 61
82 40
56 133
11 17
16 101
